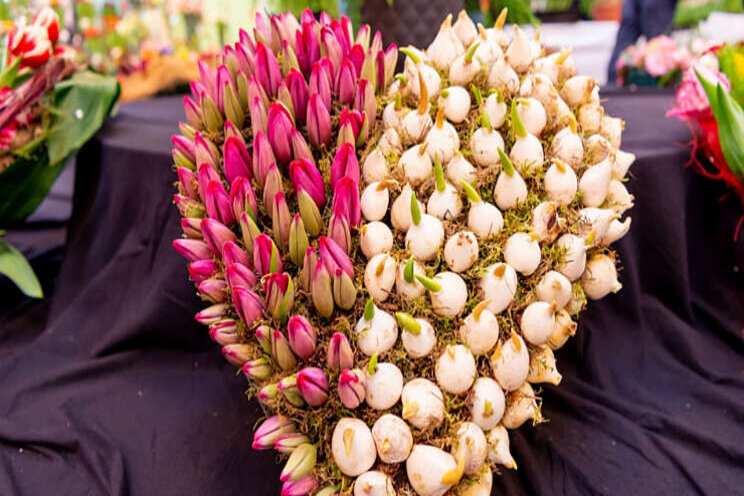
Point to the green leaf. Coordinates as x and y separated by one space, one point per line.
9 74
18 270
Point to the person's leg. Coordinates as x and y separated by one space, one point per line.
630 30
656 16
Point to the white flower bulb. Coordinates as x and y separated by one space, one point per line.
456 370
418 73
461 251
423 404
554 287
596 221
455 101
488 51
527 151
533 115
459 169
445 47
485 145
590 116
595 184
600 278
545 221
375 167
597 149
520 54
478 485
470 444
384 386
353 447
557 66
373 483
560 182
621 164
400 212
510 362
496 110
389 144
484 218
416 165
424 239
379 276
393 438
406 283
465 29
496 33
616 231
418 337
498 448
574 259
503 78
465 68
564 328
612 129
414 126
510 189
567 146
375 238
428 470
521 406
442 140
578 90
487 403
377 335
542 367
537 322
375 200
393 113
498 286
480 330
451 295
522 251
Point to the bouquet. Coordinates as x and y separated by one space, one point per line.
659 61
392 259
706 100
49 107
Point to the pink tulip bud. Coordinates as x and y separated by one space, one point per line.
188 207
334 256
261 29
313 385
231 131
363 36
300 464
273 185
254 89
340 356
230 59
321 289
307 16
193 113
192 249
266 257
321 83
212 314
237 354
380 71
302 336
298 240
263 336
356 121
191 227
257 370
281 352
283 97
237 160
243 198
331 46
278 29
279 291
267 69
288 387
391 60
305 176
185 146
202 270
339 231
267 393
237 274
224 332
214 290
245 58
308 267
205 151
216 234
198 92
263 157
318 121
249 230
345 164
344 290
344 33
218 203
376 44
299 94
287 443
281 220
307 46
232 253
205 175
356 58
300 487
365 101
273 427
224 82
346 199
352 388
279 130
258 114
208 79
188 181
249 305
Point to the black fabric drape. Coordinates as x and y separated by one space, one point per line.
111 387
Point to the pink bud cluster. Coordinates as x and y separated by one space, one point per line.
263 226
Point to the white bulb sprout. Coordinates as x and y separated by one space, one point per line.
353 447
393 438
554 287
459 169
560 182
574 259
418 335
484 219
618 198
521 406
448 293
389 143
470 444
557 66
597 149
600 278
498 448
393 113
416 165
442 140
487 403
465 29
520 54
510 189
527 150
375 238
425 235
480 330
377 330
485 143
578 90
590 117
546 223
522 251
616 231
373 483
564 328
503 78
496 109
510 362
567 146
612 129
456 370
423 404
542 367
375 200
461 251
431 471
444 202
621 164
400 212
479 485
406 282
498 286
533 115
465 67
384 385
445 47
375 166
537 322
595 184
596 222
455 101
379 276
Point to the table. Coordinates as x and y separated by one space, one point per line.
110 387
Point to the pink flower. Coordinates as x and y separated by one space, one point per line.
692 101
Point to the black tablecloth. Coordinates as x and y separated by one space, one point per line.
111 387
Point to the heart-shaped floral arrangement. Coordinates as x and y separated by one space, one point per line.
392 318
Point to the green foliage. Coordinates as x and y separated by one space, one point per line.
520 11
16 268
731 59
691 12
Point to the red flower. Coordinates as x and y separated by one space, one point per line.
46 18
